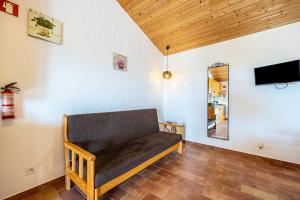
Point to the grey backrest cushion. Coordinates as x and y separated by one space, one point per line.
98 131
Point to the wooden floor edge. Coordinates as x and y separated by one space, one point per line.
34 190
284 163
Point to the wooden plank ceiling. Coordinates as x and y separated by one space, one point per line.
188 24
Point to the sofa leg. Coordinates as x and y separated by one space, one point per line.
180 148
67 182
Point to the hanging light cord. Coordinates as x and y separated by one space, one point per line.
168 47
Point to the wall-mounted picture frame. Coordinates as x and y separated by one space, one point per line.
44 27
120 62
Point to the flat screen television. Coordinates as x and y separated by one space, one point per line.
278 73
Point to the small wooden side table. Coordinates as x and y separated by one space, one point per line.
172 127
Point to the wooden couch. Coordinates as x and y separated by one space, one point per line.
104 149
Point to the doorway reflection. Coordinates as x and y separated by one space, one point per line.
218 101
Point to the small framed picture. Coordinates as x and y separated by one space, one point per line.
120 62
44 27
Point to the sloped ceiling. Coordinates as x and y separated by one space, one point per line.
188 24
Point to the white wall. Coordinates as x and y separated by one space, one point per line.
76 77
257 114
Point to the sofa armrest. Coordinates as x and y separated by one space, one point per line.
87 186
80 151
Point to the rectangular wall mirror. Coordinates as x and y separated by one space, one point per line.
218 101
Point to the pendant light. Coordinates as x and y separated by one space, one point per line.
167 74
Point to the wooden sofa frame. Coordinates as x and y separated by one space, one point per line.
88 186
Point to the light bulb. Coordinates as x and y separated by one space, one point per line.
167 75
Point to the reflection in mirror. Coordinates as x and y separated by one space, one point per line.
217 110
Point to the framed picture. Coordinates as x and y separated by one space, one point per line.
119 62
44 27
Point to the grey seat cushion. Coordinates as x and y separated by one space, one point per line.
113 162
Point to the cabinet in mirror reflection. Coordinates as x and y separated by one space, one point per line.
218 101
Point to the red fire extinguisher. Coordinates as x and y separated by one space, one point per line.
7 99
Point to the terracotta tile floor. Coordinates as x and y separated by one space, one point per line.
206 173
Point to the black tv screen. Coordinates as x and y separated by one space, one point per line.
278 73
